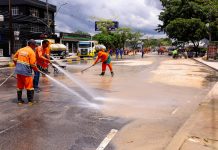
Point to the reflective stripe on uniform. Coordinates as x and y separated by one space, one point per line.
22 62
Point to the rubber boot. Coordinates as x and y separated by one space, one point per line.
102 74
112 73
30 95
19 97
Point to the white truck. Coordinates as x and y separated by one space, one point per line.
57 50
86 48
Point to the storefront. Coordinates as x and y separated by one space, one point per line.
71 40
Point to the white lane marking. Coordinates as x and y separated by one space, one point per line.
174 111
107 139
5 130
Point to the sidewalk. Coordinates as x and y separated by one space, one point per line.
211 64
200 132
4 61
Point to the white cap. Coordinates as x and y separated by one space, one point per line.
97 47
103 47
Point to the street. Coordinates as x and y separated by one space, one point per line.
147 101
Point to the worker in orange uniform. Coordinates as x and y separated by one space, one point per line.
42 60
25 61
105 59
47 55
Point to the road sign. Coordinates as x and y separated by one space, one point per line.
212 51
111 25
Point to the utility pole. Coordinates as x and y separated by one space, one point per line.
48 24
11 33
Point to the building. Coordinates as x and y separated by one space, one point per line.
31 19
71 40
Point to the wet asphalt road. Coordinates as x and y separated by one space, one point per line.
146 111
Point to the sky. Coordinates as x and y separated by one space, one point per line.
140 15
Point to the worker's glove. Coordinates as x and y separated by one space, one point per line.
49 61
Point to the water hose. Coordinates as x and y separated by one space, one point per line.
6 79
89 67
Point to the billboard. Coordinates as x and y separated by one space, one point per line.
110 25
212 51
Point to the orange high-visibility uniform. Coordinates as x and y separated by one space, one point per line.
105 59
42 57
24 82
25 60
47 52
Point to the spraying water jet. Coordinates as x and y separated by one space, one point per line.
75 80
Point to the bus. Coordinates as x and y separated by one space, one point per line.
86 48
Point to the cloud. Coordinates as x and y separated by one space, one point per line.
140 15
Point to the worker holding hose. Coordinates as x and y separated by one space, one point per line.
42 60
25 61
105 59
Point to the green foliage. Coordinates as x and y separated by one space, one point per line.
157 42
106 39
185 20
121 35
134 39
186 29
118 38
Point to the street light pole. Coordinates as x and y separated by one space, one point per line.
47 12
11 33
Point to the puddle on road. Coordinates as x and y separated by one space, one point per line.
188 75
132 63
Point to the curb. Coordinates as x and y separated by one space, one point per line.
205 64
4 64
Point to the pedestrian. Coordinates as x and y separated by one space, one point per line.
117 53
105 59
121 53
143 52
111 51
175 53
42 61
25 61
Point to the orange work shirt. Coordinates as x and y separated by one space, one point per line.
41 57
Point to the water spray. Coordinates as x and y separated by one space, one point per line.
75 80
64 86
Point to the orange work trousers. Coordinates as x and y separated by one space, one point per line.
24 82
105 65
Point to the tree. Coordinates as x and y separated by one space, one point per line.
115 39
186 19
187 30
157 42
134 39
106 39
121 35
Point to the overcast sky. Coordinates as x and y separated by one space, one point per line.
140 15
